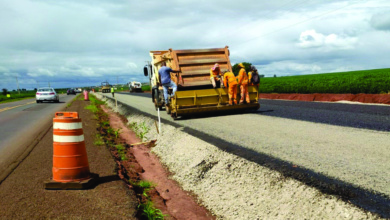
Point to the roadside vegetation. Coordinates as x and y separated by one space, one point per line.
365 81
110 137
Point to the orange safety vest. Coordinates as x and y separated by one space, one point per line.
229 78
242 77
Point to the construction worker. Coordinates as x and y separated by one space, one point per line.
229 80
112 91
164 74
243 82
253 76
215 76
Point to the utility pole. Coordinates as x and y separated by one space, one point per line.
117 80
49 83
17 82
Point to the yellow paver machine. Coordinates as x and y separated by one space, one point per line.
195 93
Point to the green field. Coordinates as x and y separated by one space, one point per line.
365 81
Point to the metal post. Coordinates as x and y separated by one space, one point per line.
159 121
17 82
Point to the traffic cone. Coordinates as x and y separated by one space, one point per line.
70 162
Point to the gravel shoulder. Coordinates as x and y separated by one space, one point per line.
235 187
22 194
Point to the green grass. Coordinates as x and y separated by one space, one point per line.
98 140
121 151
95 101
150 212
365 81
140 129
145 88
92 108
147 208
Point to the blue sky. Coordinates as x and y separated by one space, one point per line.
81 43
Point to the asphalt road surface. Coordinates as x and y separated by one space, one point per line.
374 117
345 144
21 124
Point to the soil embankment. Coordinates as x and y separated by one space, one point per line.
319 97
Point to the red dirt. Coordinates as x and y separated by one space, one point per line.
168 196
363 98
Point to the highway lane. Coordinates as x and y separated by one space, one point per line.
374 117
291 134
21 123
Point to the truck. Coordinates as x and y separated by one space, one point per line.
195 93
135 86
106 87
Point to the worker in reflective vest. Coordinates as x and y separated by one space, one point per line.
112 91
243 82
231 80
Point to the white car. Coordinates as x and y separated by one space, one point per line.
46 94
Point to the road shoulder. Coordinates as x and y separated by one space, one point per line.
23 195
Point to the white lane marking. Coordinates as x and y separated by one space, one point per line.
8 108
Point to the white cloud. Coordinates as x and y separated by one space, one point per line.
381 21
312 39
41 72
86 42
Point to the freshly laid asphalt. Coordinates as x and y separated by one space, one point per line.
374 117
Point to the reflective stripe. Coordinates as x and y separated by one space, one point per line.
68 139
67 126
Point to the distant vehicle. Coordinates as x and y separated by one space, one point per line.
78 90
135 86
71 91
106 87
47 94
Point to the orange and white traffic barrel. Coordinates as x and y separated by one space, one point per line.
70 161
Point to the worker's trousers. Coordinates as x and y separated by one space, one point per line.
232 94
244 94
166 87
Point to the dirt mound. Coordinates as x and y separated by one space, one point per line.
320 97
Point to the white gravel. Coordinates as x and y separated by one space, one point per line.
234 188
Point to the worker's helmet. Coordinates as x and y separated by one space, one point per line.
241 65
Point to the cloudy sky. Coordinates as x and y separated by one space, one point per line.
70 43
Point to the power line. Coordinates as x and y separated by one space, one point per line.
292 25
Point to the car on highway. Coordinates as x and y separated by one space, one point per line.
46 94
71 91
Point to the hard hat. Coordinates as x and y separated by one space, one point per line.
241 65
